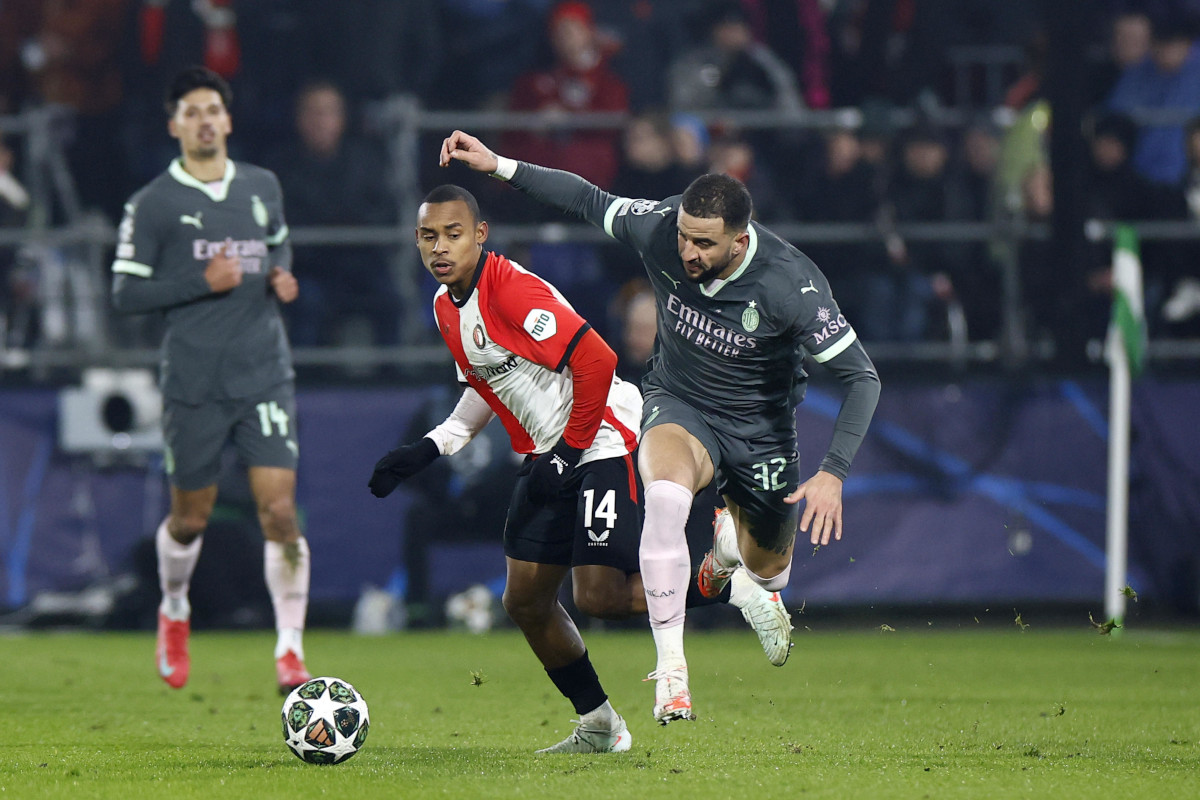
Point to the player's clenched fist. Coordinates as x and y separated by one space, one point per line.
400 464
224 272
284 284
464 147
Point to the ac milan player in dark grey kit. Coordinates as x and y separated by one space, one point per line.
205 244
738 309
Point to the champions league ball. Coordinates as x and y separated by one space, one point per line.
325 721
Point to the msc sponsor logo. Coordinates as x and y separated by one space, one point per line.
832 326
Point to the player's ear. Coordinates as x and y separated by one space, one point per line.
481 232
171 129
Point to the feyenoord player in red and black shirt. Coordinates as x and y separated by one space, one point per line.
738 310
527 357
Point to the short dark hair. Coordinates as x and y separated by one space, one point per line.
449 193
721 196
196 77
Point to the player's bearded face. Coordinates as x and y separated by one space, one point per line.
450 240
201 124
706 249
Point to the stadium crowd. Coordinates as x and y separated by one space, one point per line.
306 74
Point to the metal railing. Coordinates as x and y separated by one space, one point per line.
403 123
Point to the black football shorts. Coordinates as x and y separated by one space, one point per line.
596 520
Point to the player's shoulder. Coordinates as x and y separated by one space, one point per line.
153 196
254 174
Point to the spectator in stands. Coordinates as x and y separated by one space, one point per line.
636 319
797 31
18 288
691 138
972 181
66 54
331 178
734 71
650 166
1128 44
1168 80
904 298
579 80
1181 310
736 155
844 189
492 44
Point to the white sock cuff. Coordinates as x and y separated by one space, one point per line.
276 549
168 545
772 584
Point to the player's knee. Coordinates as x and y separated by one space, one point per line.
600 603
185 528
278 518
524 609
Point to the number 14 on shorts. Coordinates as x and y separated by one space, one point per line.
271 414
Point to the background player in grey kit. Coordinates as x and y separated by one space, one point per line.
205 244
738 308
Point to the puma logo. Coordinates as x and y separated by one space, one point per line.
809 288
668 277
188 219
663 211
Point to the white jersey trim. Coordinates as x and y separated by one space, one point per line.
132 268
829 353
218 193
614 208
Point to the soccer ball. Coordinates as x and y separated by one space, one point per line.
325 721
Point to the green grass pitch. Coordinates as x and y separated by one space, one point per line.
865 713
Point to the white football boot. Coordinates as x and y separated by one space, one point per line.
767 615
584 740
672 699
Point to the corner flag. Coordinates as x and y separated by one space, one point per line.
1128 309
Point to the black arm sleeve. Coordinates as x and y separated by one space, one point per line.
134 295
854 369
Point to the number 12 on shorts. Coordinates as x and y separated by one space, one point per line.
270 413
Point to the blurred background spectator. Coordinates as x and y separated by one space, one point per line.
66 54
332 177
578 79
1167 80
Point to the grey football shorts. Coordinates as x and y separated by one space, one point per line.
757 473
261 428
596 520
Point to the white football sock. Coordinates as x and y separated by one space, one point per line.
742 588
725 543
666 565
176 563
669 644
601 718
287 582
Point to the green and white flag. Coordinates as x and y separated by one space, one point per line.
1128 321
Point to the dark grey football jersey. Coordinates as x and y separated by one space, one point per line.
217 346
730 348
733 349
